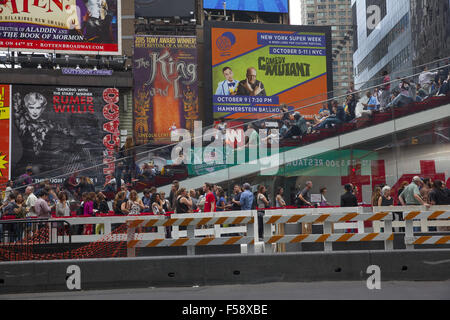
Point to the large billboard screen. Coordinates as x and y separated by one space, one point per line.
164 8
281 6
165 86
59 130
256 68
5 99
61 26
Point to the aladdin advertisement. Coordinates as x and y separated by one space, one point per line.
59 130
165 87
65 26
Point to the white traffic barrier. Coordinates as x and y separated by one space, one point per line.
326 217
192 223
214 226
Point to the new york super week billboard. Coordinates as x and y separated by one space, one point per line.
255 68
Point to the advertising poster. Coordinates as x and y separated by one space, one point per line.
255 70
59 130
66 26
280 6
165 87
4 134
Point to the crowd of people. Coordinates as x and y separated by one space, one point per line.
44 200
388 95
79 195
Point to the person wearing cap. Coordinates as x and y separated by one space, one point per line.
411 194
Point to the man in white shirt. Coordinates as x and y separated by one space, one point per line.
31 201
426 78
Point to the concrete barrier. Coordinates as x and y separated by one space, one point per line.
102 274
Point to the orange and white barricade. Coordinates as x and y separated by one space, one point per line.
194 237
435 215
327 217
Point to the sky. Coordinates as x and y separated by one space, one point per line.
295 12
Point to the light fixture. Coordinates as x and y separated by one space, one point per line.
95 68
78 67
57 67
39 66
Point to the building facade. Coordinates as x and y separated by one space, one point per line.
383 40
338 14
430 23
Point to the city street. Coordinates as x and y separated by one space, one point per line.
270 291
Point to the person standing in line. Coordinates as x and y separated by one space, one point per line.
426 188
157 204
235 206
385 200
30 201
221 202
376 195
166 203
246 199
348 199
62 207
411 194
262 203
41 206
89 212
147 201
304 197
173 193
210 199
194 199
183 202
439 196
261 199
323 200
279 200
134 205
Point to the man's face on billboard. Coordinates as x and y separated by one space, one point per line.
251 76
228 74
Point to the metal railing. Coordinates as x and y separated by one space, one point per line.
20 239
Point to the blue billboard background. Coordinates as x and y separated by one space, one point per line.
249 5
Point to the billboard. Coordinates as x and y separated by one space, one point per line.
59 130
256 68
61 26
165 86
164 8
280 6
5 99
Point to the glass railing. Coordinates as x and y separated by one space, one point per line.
269 151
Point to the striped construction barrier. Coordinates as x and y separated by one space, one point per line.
428 215
192 222
334 218
322 238
327 217
190 242
433 240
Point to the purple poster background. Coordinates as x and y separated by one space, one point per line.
165 87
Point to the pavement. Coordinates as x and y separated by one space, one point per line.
356 290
